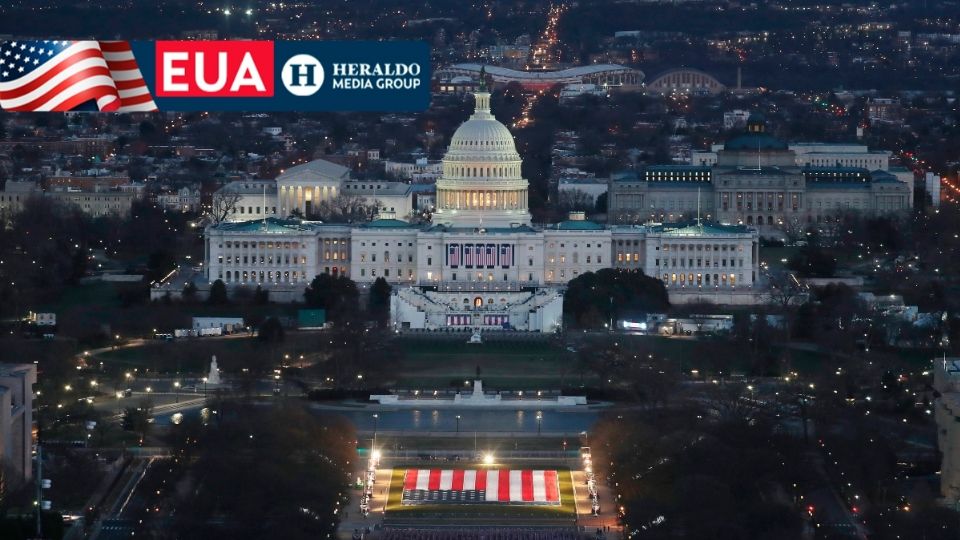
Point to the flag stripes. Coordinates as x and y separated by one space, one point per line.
62 75
480 255
470 486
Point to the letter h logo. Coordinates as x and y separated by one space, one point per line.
302 75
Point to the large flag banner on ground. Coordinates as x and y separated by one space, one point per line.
142 76
470 486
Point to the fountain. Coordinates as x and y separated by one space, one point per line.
213 377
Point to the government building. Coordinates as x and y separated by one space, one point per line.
480 263
755 179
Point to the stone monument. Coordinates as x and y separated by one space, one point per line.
214 376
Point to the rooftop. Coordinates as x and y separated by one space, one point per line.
389 223
270 226
573 72
576 225
691 228
317 167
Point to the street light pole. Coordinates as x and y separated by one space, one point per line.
458 423
376 421
539 421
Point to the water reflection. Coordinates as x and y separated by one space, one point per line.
474 420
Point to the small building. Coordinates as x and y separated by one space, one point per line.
42 319
226 324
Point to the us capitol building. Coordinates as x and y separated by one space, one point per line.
481 263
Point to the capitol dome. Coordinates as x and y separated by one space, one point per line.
482 183
482 133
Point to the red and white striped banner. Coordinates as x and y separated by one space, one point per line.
459 486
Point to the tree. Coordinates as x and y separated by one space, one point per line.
378 305
600 206
189 291
346 208
270 331
137 419
575 200
594 298
336 294
261 296
218 293
813 261
303 462
223 203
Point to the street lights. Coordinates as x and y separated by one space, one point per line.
376 421
176 386
204 388
458 423
539 422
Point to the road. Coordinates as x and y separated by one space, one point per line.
113 523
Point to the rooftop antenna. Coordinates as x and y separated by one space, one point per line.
264 206
699 223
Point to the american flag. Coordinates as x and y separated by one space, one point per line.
69 75
468 255
472 486
506 255
453 255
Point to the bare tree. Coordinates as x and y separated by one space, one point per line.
346 208
575 200
785 293
223 204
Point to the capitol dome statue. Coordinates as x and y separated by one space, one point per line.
482 184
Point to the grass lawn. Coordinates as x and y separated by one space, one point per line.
192 355
523 365
482 513
98 293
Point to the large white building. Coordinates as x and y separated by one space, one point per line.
300 191
757 180
481 263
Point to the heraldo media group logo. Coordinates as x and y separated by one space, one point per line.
119 76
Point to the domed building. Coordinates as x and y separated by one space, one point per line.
758 180
480 264
481 182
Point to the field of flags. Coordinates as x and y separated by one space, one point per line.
472 486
